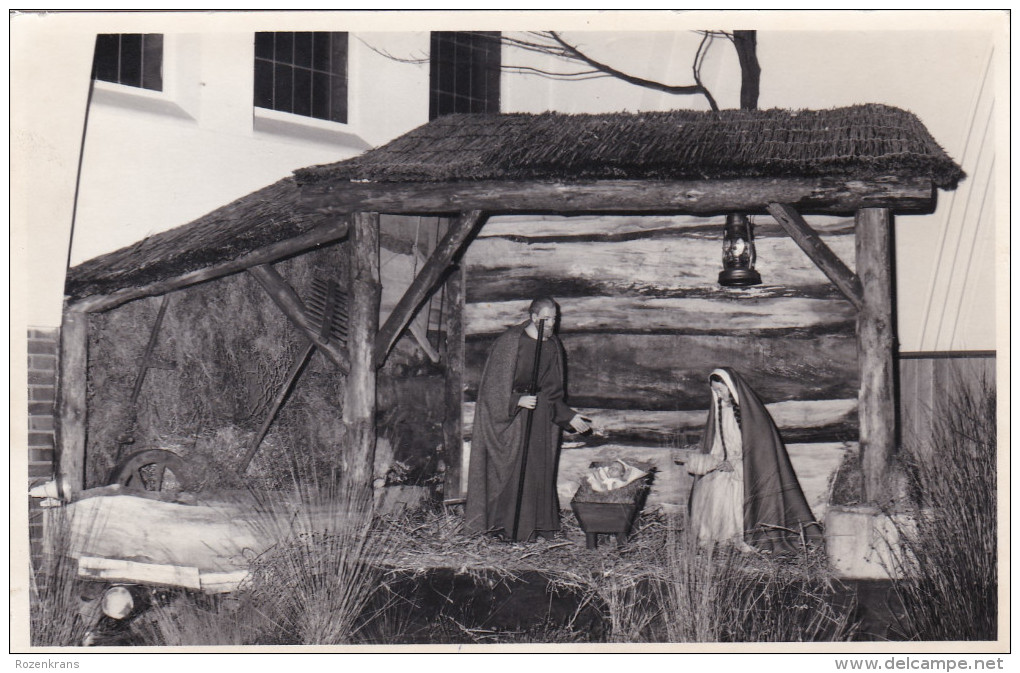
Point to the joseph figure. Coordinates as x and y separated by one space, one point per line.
498 437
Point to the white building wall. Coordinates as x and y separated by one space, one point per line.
152 162
156 160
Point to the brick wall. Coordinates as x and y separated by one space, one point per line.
42 389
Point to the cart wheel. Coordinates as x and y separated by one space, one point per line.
154 470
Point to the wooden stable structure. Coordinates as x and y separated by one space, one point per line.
871 162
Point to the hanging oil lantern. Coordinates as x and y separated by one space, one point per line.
738 253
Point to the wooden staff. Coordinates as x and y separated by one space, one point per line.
532 390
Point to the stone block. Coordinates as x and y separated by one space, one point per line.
865 543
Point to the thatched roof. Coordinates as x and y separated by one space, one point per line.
859 142
261 218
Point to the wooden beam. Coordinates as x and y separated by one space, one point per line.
120 570
281 396
696 197
876 345
425 282
364 294
284 296
819 253
321 235
72 406
453 424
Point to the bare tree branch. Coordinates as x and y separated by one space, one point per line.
699 59
577 76
420 60
686 89
551 43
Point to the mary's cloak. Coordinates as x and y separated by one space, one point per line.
777 516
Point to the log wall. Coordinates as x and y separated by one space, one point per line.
644 321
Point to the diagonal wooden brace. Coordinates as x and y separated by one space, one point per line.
284 296
426 282
822 255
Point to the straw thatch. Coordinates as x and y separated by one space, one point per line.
860 142
261 218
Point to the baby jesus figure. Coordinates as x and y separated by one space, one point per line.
613 476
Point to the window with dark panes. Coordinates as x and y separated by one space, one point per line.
464 73
302 73
131 59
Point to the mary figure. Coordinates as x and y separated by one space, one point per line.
745 490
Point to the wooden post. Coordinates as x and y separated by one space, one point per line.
364 293
72 409
876 343
453 435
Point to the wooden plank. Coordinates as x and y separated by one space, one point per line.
724 314
668 372
72 403
284 296
925 402
876 329
752 195
222 583
453 432
797 420
119 570
813 246
325 234
617 228
426 282
359 406
686 265
214 535
908 401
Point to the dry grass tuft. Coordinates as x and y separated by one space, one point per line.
59 617
951 590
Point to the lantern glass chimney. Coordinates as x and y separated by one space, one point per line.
738 253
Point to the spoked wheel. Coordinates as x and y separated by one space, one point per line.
154 470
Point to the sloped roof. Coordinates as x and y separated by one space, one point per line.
261 218
861 142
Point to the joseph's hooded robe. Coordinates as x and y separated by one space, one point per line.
772 508
498 437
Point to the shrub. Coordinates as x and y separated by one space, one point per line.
718 594
951 586
59 615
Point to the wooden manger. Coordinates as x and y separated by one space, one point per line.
612 512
